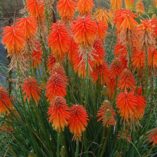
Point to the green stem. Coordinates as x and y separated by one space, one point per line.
58 145
87 80
77 149
135 148
146 70
104 141
129 50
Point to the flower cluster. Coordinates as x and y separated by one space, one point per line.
72 47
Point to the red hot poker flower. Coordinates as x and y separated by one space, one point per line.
140 7
125 19
131 106
13 39
116 4
117 66
138 59
56 85
5 102
126 80
31 89
59 40
85 31
66 9
102 29
101 15
36 55
106 114
28 26
85 6
58 113
50 63
35 8
101 73
152 136
77 121
120 50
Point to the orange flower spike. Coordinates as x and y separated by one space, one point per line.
50 63
146 32
111 84
35 8
106 114
140 7
126 80
13 39
102 29
101 72
117 66
58 113
126 104
141 105
154 25
85 31
59 69
101 15
36 55
98 53
5 102
120 50
129 4
138 59
59 40
66 9
56 85
155 3
116 4
31 90
85 6
79 64
152 136
125 19
73 50
78 121
28 26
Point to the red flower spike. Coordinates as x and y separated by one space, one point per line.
125 19
77 121
50 63
36 55
13 39
58 113
85 6
85 31
138 59
116 4
56 85
152 136
106 114
28 26
117 66
35 8
5 102
59 40
126 80
31 89
131 106
101 72
120 50
66 9
102 29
